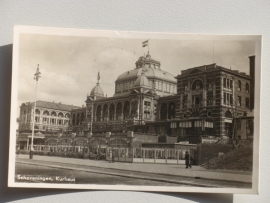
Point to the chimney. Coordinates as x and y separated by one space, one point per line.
252 82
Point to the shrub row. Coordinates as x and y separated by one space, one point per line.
65 154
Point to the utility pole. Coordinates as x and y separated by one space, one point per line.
36 77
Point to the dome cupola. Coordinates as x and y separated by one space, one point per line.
142 81
97 91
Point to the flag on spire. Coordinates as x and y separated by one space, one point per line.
98 77
145 43
37 74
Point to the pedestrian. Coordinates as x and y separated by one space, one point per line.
187 160
97 155
110 154
113 155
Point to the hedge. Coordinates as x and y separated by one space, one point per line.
65 154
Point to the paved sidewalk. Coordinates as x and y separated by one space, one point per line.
168 169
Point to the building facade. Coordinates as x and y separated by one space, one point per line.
135 99
50 118
200 102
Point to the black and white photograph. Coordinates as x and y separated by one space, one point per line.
119 110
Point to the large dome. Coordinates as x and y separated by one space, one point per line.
150 67
97 91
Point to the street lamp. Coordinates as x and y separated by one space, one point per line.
90 124
36 77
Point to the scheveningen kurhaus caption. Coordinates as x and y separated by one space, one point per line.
150 109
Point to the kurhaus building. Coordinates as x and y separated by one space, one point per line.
201 101
135 100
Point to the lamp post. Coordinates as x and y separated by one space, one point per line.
90 123
36 77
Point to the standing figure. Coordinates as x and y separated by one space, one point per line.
113 155
97 155
187 160
110 154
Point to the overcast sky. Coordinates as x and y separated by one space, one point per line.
69 64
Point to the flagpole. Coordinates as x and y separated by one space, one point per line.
36 77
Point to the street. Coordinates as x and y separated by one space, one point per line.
85 177
102 172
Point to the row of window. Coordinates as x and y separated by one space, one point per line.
188 124
46 113
166 87
51 121
228 100
228 83
163 86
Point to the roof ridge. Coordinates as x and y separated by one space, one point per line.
55 103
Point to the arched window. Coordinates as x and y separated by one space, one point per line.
239 85
82 118
228 114
111 112
67 115
126 109
53 113
46 113
119 111
99 113
247 88
105 112
197 85
61 115
78 119
37 112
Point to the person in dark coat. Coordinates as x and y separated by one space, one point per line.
97 155
187 160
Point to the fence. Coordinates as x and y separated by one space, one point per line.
147 155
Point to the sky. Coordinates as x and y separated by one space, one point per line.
69 64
